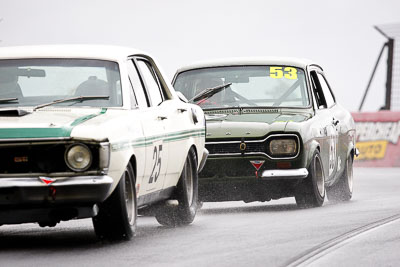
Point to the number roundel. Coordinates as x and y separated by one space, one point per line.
283 72
155 172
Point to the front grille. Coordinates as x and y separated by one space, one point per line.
234 148
251 147
37 158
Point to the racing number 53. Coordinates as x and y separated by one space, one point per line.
155 172
280 72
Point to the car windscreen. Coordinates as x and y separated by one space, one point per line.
280 86
31 82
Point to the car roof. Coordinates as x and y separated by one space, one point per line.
246 61
104 52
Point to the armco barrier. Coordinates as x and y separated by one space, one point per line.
377 139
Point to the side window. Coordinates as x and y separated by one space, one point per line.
151 82
330 101
137 88
317 90
313 94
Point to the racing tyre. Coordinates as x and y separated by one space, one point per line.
186 194
117 215
343 189
311 191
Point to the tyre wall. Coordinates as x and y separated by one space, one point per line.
377 139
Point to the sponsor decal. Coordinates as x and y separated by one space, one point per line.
257 165
47 180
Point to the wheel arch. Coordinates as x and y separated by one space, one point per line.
314 146
352 152
193 146
132 160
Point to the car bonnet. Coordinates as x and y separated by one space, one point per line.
46 123
249 125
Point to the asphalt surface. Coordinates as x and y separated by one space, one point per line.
362 232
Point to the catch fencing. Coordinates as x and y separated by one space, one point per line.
392 33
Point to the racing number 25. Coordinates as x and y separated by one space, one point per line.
157 164
280 72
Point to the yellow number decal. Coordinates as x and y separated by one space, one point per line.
275 72
290 73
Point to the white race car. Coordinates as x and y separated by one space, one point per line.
95 131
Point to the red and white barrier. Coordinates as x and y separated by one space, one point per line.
377 139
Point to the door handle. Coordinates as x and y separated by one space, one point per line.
161 118
181 110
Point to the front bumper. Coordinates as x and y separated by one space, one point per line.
23 191
285 174
231 179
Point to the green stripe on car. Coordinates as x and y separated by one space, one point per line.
87 117
170 137
25 133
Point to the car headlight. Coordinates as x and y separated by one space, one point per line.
78 157
283 147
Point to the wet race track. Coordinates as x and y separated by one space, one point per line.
362 232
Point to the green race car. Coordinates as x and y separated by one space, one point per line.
274 130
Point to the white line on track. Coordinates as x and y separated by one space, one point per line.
323 249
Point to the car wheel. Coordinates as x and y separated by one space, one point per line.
117 215
186 194
343 189
311 191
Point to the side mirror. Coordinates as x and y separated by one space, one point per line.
182 97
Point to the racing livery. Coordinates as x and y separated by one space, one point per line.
95 131
274 129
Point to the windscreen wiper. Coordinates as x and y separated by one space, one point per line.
5 100
209 92
75 98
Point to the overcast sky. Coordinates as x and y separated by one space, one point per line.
339 34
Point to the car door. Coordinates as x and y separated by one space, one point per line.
178 121
326 112
179 128
339 123
153 124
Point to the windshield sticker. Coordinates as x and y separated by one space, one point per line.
281 72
